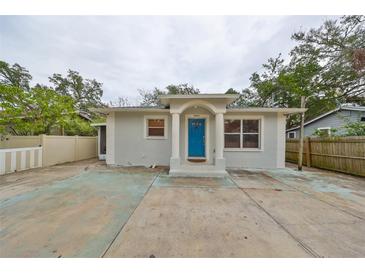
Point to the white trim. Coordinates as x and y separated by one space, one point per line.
261 132
288 135
150 117
328 128
200 96
19 149
266 110
207 137
110 139
126 109
200 103
226 98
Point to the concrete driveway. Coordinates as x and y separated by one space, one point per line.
85 209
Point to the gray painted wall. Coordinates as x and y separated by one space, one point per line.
268 157
334 120
131 147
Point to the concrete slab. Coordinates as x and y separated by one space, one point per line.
78 209
202 222
168 181
20 182
328 231
298 208
256 180
75 217
333 240
346 193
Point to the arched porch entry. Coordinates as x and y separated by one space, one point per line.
197 138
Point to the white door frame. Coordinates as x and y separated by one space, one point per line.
197 116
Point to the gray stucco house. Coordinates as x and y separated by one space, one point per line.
196 135
334 119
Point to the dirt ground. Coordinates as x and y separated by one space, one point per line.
85 209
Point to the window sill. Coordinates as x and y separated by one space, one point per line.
243 149
155 138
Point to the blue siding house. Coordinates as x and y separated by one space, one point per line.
334 119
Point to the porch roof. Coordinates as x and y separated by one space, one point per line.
227 98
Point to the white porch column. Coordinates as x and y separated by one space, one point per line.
175 141
219 141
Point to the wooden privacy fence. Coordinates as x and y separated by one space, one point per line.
23 152
344 154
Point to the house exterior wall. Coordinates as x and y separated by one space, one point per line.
272 154
131 146
334 120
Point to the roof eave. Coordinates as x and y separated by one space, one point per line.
268 110
228 98
124 109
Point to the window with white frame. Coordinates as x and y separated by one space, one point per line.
242 134
292 135
155 127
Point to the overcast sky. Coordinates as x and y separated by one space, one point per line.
127 53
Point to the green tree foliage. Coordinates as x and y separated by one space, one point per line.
336 45
78 126
324 133
327 65
14 75
85 92
150 98
26 110
355 129
33 112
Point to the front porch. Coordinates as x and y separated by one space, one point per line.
197 136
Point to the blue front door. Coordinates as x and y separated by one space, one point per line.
196 137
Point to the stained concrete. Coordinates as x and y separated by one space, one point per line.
178 222
74 217
86 209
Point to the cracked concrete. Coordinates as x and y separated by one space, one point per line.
85 209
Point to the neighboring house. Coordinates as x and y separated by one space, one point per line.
334 119
196 135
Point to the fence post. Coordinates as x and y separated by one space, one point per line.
76 147
2 162
308 151
43 145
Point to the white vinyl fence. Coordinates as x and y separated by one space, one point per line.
24 152
16 159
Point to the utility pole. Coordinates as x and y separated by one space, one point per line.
301 140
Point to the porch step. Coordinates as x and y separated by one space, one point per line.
197 171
